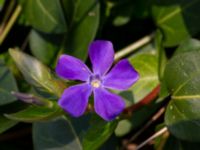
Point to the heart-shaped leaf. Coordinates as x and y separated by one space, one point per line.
183 112
177 19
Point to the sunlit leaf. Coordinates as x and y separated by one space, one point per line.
36 73
146 64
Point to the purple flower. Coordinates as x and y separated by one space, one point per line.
74 99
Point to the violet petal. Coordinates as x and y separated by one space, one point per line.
107 105
71 68
101 55
121 77
74 99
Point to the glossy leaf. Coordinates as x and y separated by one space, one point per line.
86 18
177 19
6 124
36 73
36 113
46 16
98 133
82 27
45 46
55 134
183 112
7 84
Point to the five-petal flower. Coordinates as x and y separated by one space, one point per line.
108 105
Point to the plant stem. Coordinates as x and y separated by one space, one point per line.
10 23
134 46
157 134
154 118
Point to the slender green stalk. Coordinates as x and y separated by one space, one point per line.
10 23
134 46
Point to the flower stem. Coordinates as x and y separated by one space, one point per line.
134 46
154 118
157 134
10 23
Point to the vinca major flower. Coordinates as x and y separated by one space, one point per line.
122 76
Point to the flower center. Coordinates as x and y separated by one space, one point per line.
95 81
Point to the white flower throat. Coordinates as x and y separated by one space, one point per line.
95 81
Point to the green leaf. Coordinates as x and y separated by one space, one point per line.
7 84
36 73
82 27
177 19
6 124
44 46
146 64
56 134
183 112
87 132
36 113
98 133
46 16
